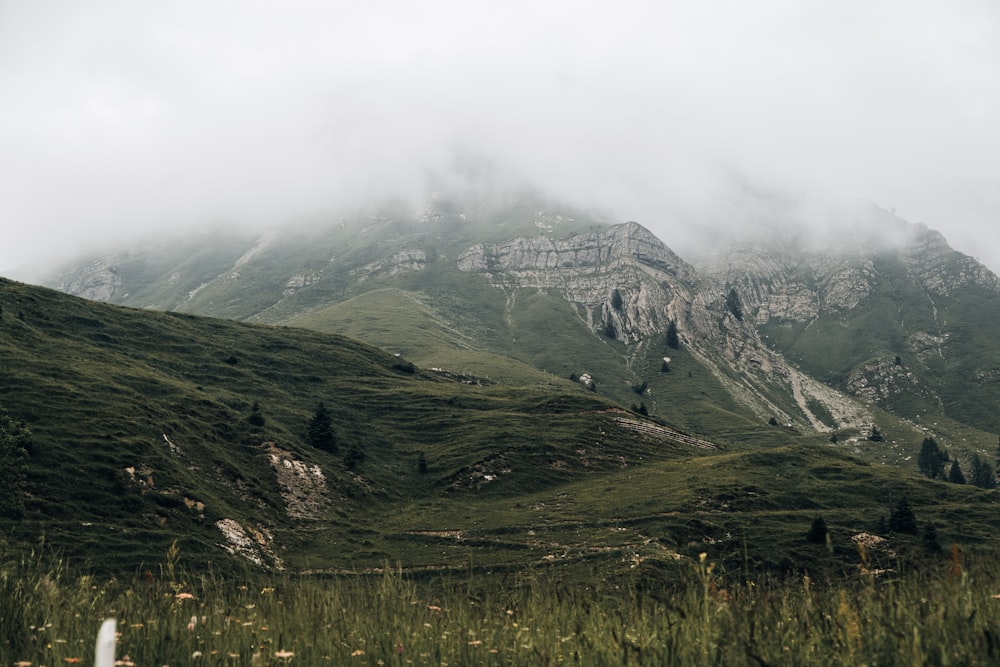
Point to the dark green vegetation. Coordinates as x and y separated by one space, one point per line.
942 614
143 431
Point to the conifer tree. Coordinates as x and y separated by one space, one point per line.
255 418
903 519
673 341
354 456
929 537
817 531
320 434
981 473
733 303
931 460
955 475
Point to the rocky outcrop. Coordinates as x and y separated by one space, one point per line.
627 280
97 281
405 261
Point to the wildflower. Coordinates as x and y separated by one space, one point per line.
192 623
184 596
356 653
284 655
72 661
196 654
476 642
124 662
23 663
433 607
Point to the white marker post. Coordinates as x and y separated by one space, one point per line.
104 652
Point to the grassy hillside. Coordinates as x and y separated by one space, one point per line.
141 436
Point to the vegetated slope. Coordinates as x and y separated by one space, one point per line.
142 435
142 432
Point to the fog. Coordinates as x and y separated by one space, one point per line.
125 119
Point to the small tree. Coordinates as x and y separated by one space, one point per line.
256 418
421 463
929 537
610 331
817 531
733 303
931 459
876 435
673 341
955 474
320 434
903 519
354 456
616 299
981 473
14 443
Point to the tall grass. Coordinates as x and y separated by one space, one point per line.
946 615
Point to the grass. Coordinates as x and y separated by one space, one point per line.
694 613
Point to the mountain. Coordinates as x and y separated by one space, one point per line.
156 431
877 322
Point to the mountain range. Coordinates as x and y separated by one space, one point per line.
533 358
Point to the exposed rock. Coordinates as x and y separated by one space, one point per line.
250 543
303 487
586 268
300 280
880 380
402 262
97 281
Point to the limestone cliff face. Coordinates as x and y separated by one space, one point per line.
789 281
624 276
631 285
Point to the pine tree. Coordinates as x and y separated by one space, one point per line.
14 443
876 435
931 459
902 519
616 299
817 531
255 418
955 475
673 341
981 473
421 463
929 537
354 456
320 434
733 303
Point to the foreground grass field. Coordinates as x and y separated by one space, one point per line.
945 612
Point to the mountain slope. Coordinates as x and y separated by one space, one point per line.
143 435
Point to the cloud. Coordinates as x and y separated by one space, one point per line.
120 118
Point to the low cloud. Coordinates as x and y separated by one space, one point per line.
120 118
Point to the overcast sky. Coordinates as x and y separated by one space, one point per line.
130 116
